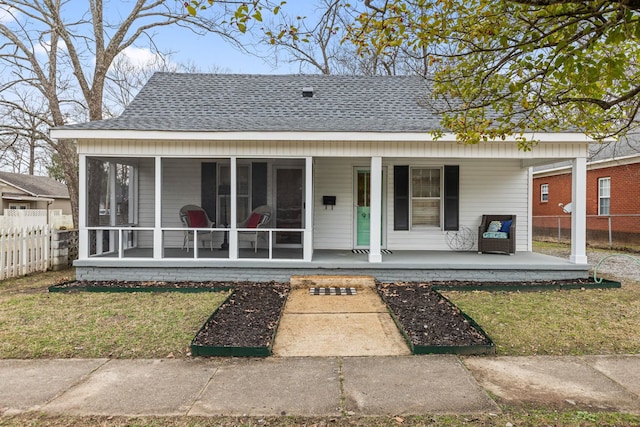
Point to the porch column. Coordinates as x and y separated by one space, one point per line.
530 211
307 248
233 234
112 210
579 211
83 233
157 224
375 213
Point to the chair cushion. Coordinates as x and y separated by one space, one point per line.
254 220
506 226
494 226
495 235
197 219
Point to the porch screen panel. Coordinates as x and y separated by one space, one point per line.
258 184
451 197
208 188
401 197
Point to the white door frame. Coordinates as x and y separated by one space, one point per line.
354 238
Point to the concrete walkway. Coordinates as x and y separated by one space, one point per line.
332 386
337 325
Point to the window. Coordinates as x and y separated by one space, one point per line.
604 196
111 193
243 196
544 192
425 197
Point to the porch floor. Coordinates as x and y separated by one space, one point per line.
400 265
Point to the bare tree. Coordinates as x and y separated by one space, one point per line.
24 132
65 54
316 44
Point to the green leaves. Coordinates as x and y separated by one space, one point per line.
569 65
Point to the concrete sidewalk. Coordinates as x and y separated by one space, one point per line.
312 386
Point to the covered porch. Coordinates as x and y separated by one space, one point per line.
400 265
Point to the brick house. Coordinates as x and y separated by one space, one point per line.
613 195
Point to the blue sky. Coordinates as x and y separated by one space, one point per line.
212 51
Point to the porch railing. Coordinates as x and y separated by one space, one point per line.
130 241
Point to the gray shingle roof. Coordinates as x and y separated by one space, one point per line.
37 186
626 146
228 102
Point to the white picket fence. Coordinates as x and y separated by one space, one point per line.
24 250
34 217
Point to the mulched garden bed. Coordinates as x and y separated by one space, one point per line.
247 320
431 323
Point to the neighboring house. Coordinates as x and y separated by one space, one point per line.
345 163
613 194
19 191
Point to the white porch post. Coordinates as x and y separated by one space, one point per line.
530 211
579 211
375 210
83 234
112 210
307 248
157 226
233 234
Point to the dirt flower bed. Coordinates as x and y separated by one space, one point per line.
429 319
248 318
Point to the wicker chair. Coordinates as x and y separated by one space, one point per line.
193 216
259 218
490 244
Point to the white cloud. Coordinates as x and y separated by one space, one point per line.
8 14
44 47
140 57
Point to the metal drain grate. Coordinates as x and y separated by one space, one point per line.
332 291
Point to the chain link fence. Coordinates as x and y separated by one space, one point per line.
613 231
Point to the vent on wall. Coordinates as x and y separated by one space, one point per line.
307 92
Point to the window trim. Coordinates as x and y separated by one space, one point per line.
601 197
544 193
440 199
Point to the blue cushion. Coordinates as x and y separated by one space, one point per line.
495 235
494 226
506 225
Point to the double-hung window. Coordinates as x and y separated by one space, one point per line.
425 197
544 192
604 196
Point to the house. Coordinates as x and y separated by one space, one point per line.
613 195
21 191
349 167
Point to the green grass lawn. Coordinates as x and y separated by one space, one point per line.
38 324
568 322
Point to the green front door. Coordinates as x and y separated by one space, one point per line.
363 207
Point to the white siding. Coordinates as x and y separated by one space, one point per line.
486 187
146 200
333 228
388 149
180 186
495 187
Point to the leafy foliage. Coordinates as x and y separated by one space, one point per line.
508 67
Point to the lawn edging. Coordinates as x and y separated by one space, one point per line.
70 287
229 351
514 287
